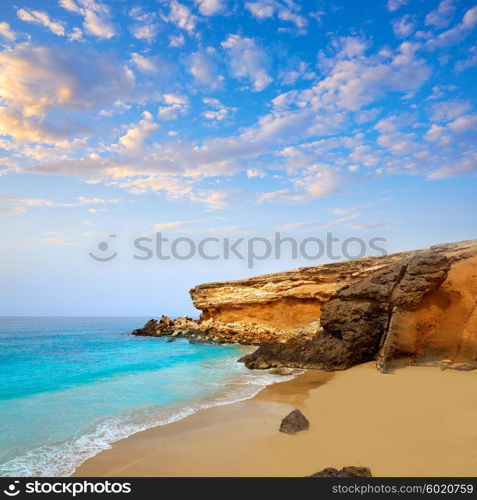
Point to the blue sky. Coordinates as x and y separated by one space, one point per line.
224 118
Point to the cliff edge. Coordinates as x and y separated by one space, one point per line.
407 308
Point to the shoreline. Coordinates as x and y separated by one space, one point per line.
419 421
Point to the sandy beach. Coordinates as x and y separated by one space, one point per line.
419 421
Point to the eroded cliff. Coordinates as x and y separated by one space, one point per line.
407 308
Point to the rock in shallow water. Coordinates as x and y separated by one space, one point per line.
350 471
294 422
282 371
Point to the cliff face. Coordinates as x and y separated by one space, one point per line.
284 300
406 308
420 308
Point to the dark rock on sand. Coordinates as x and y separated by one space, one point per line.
344 472
294 422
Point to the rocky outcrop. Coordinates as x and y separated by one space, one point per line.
294 422
408 308
167 326
387 317
210 330
350 471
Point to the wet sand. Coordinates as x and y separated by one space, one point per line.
419 421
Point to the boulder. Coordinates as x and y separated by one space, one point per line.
350 471
294 422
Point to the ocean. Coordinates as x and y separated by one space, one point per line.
70 387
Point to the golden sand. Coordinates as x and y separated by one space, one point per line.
419 421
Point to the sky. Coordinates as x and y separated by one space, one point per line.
224 119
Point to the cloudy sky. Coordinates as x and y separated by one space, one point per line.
224 117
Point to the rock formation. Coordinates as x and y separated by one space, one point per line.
350 471
294 422
407 308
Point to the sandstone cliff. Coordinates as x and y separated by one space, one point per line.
407 308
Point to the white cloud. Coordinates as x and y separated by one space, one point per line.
6 31
296 225
76 35
357 82
454 130
439 91
399 143
32 129
345 211
353 80
175 105
318 181
286 11
176 40
145 64
342 220
168 226
181 16
13 210
368 225
366 115
301 71
21 205
261 9
35 80
469 62
451 169
464 123
404 26
146 27
441 16
253 173
298 20
247 61
210 7
42 18
393 123
203 68
218 112
146 32
59 240
95 16
457 33
446 111
214 199
436 133
176 188
394 5
139 14
134 138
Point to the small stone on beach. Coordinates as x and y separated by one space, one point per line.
294 422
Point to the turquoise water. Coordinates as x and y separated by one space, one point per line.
69 387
